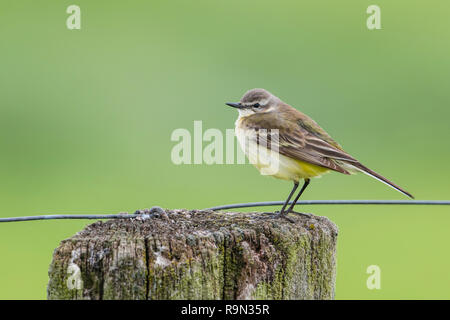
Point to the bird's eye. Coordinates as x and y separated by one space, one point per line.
256 105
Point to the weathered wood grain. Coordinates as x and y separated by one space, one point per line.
184 254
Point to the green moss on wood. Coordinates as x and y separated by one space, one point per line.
199 255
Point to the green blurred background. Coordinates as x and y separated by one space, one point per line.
86 117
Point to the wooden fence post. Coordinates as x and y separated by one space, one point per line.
181 254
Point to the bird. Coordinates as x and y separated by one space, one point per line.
273 134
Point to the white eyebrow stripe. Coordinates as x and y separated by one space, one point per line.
262 102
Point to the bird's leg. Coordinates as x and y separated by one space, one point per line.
291 208
283 210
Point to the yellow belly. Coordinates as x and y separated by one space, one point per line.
272 163
287 168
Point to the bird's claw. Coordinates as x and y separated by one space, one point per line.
304 214
285 215
278 215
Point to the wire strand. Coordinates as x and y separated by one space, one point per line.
333 202
233 206
70 216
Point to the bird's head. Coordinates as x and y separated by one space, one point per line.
255 101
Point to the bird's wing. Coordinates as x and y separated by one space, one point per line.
305 141
313 128
302 145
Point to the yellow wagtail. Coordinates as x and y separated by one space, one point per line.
301 150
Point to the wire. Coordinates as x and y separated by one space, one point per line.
333 202
234 206
70 216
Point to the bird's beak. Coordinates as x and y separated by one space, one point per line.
234 105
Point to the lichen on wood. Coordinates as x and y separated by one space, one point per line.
198 255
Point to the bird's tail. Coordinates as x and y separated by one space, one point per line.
358 166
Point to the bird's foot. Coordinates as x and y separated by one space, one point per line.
304 214
278 215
